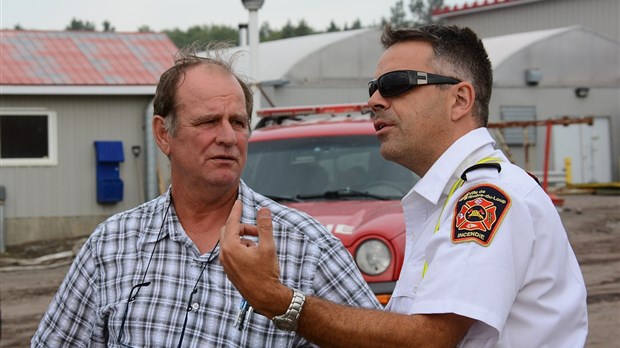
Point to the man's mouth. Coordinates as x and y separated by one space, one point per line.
224 158
380 124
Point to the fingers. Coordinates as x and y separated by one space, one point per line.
250 265
267 245
264 225
232 229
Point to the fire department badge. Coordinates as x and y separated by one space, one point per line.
478 214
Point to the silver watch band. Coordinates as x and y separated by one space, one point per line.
288 320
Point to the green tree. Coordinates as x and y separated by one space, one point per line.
288 30
357 24
332 27
207 33
145 29
107 26
203 34
422 10
265 32
303 29
224 33
421 13
398 17
80 25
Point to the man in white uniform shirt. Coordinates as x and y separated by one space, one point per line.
487 263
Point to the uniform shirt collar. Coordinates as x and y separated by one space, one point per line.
447 169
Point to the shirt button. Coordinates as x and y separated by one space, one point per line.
195 306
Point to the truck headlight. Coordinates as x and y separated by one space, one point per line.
373 257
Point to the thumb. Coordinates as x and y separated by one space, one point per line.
266 244
264 225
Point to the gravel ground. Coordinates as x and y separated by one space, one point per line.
592 223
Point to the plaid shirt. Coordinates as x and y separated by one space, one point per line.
89 306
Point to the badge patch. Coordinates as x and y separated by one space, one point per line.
478 214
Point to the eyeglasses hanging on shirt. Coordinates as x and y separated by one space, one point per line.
136 288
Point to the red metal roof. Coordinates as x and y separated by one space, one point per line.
475 6
69 58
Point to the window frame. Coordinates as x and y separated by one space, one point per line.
52 138
514 136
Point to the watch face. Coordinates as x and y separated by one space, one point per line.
284 324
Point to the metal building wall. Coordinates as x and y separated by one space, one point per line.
602 16
316 95
554 103
61 200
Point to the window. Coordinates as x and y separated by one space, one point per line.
297 167
27 137
516 135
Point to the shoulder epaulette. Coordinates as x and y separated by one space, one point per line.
481 165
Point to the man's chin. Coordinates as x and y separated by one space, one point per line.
386 152
224 181
393 154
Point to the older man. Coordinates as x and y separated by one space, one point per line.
150 276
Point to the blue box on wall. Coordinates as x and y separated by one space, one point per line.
109 155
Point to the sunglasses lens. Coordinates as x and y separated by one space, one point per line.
394 83
372 87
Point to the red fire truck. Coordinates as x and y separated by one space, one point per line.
325 161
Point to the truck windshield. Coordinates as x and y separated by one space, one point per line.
325 168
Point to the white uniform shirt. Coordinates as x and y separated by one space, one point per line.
524 288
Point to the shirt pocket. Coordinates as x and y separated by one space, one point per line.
140 318
404 294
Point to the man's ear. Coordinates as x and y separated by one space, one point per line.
161 134
463 102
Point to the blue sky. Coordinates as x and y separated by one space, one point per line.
129 15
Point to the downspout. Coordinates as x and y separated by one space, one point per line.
2 230
151 154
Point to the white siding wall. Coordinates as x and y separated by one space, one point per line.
69 188
602 16
556 103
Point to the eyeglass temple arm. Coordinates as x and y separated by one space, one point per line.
188 309
132 295
417 77
131 298
424 78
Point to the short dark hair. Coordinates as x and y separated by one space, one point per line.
457 52
212 54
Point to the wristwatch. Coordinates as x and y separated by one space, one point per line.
288 321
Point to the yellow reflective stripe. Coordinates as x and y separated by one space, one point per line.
455 187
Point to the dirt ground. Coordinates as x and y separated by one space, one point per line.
592 223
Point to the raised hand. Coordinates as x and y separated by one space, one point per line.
253 267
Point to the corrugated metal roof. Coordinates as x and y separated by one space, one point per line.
476 6
278 57
500 48
69 58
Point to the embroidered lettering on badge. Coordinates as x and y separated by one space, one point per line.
478 214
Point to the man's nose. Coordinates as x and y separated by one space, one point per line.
226 134
377 102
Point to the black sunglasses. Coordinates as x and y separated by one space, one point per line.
396 82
